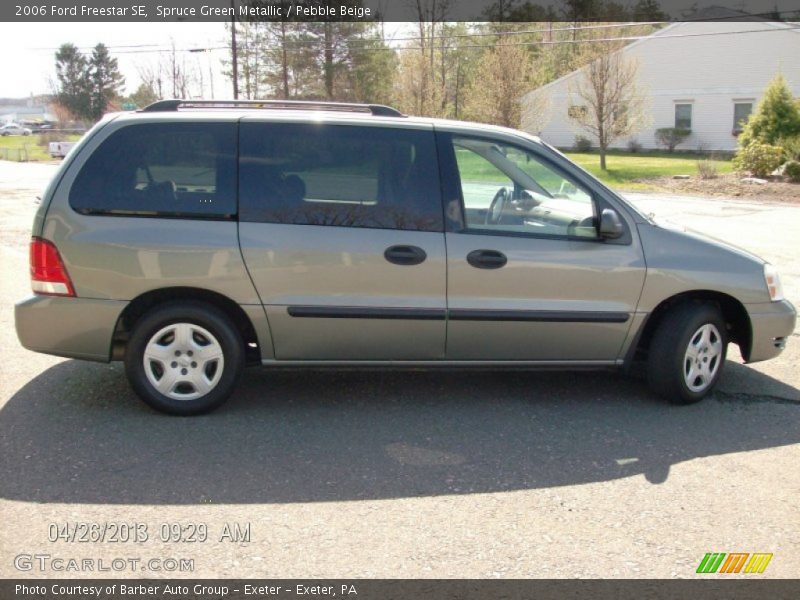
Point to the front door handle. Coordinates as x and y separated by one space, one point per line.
405 255
487 259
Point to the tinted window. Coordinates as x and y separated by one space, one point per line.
164 169
507 188
339 175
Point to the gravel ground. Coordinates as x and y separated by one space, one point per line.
421 474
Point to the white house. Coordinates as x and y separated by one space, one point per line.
703 76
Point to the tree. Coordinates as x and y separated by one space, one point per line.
143 96
503 76
105 79
606 101
73 81
776 116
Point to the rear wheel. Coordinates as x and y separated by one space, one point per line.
184 358
687 353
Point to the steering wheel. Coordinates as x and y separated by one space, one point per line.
496 208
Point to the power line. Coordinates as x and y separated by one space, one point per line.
537 43
411 38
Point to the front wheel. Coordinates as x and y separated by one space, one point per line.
184 358
687 353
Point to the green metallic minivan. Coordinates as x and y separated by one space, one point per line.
192 238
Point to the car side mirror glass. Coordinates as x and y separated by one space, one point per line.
610 224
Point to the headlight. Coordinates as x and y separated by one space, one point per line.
773 282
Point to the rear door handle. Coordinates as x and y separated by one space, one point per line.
405 255
487 259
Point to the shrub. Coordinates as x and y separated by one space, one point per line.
671 137
707 168
582 144
634 146
758 159
791 146
792 171
777 115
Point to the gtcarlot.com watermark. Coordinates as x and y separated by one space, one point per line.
44 563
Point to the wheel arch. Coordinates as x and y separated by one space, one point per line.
145 302
733 312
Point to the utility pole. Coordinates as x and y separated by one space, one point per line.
234 53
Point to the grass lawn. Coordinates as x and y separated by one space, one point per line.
627 171
14 147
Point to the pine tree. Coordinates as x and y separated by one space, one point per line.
776 116
74 87
106 80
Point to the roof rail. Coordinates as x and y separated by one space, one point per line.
377 110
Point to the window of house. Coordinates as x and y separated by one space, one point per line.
339 175
683 116
161 169
576 111
741 112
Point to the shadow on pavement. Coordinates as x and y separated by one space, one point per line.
76 434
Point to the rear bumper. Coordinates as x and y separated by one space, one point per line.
71 327
772 323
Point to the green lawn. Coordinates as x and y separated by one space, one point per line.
626 170
29 147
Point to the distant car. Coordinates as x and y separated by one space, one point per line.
60 149
14 129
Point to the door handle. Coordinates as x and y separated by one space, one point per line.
405 255
487 259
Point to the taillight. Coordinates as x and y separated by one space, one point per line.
48 273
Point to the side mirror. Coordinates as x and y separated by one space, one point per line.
610 224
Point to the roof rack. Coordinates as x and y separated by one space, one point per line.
377 110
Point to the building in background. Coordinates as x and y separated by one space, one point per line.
705 83
33 110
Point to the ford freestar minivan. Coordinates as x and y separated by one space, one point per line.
192 238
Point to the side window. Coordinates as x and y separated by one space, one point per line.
161 169
507 188
339 175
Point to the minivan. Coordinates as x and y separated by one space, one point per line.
192 238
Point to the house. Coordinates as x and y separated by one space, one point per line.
703 76
31 110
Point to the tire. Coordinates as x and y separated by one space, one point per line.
194 345
678 374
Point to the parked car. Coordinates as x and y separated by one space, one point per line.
60 149
14 129
192 238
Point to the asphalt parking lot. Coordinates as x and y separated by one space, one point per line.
409 474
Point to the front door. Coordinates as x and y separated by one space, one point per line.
341 231
529 277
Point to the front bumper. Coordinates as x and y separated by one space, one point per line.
70 327
772 323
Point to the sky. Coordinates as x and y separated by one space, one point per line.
34 46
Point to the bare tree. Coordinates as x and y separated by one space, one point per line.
606 101
502 77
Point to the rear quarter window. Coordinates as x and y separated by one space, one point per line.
161 169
